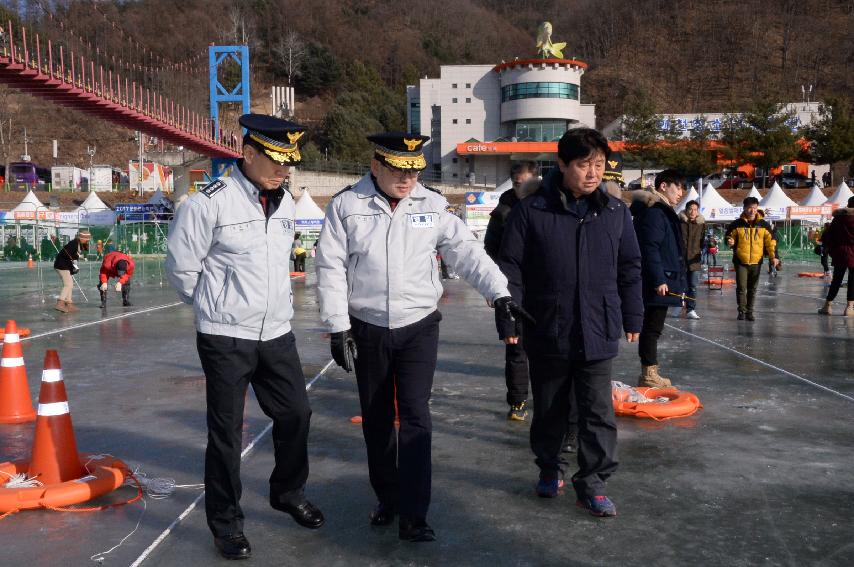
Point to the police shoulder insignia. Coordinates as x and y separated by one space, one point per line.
212 188
433 189
344 190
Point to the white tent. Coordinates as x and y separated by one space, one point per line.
92 203
714 207
689 196
754 192
841 196
815 198
308 215
30 203
160 199
776 198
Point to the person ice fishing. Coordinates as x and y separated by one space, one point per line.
120 266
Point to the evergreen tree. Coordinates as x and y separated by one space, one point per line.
832 136
641 131
768 136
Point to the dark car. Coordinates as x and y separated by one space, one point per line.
793 179
737 180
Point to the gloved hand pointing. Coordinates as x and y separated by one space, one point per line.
343 347
118 286
103 286
508 317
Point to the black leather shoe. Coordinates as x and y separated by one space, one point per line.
750 317
741 316
305 513
382 515
233 546
415 530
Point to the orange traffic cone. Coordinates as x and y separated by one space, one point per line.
55 458
15 403
30 261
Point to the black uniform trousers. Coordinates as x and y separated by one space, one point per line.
274 370
398 362
552 381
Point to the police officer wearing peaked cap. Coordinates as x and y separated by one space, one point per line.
227 256
379 288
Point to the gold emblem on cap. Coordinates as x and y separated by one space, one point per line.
613 164
411 143
294 136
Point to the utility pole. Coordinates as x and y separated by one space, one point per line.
91 152
139 170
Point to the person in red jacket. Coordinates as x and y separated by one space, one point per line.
116 265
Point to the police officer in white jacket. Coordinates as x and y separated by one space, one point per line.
228 253
379 287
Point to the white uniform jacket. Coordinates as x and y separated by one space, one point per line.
380 266
231 263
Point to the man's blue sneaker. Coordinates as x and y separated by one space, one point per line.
600 506
549 487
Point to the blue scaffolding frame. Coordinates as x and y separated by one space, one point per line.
217 54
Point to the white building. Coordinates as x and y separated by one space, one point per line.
482 117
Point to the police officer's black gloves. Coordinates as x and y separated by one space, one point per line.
343 349
508 316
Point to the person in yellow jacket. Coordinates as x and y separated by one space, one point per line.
749 236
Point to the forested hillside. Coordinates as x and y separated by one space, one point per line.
350 59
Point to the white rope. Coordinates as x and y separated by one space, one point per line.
101 555
21 480
625 393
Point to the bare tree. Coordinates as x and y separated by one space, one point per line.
291 51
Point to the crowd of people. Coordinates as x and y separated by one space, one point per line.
561 311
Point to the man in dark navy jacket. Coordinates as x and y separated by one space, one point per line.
664 272
572 261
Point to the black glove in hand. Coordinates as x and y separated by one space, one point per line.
508 316
343 347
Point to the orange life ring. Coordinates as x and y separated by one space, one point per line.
106 475
719 281
22 332
678 404
810 274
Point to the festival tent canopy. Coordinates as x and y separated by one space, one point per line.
308 215
159 198
689 196
841 196
815 198
776 198
28 204
711 199
754 192
92 203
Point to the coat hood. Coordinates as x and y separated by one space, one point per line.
648 198
699 220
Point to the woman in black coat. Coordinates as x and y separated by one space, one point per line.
663 265
66 266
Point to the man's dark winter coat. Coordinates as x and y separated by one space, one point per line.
660 240
548 253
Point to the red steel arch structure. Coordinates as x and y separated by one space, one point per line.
74 82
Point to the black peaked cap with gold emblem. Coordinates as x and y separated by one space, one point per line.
400 150
276 137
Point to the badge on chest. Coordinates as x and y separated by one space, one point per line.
422 220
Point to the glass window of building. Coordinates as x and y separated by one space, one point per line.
454 85
454 100
519 91
539 130
468 85
468 99
454 121
415 117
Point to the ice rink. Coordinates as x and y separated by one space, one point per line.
762 475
